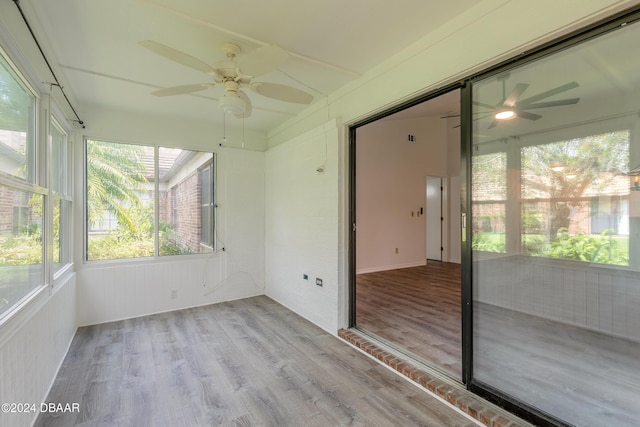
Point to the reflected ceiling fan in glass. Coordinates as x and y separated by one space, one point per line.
511 106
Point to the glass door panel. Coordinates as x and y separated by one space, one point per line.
555 232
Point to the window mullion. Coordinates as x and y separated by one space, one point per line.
156 201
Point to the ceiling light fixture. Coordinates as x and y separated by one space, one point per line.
505 115
231 103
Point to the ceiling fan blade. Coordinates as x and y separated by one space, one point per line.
282 93
262 60
515 94
528 116
484 116
551 92
177 56
557 103
483 105
494 123
247 105
180 90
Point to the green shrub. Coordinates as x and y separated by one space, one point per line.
21 250
602 248
114 246
488 242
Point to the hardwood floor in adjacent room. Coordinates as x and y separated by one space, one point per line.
416 308
250 362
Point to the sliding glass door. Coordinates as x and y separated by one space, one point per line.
555 232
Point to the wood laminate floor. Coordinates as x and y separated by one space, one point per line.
250 362
416 308
583 377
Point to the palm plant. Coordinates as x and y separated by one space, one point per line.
115 176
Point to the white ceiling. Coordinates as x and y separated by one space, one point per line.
94 47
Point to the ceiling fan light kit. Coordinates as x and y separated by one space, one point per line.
231 103
506 115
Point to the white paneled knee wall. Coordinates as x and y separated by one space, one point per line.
32 347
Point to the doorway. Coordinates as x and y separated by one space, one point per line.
406 269
435 218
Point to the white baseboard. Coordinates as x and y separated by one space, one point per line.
391 267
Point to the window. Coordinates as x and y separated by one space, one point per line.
569 199
575 198
21 201
17 124
181 191
120 219
61 197
129 186
489 194
21 266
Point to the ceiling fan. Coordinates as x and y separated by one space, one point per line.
511 106
232 75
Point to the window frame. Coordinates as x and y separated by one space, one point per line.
33 152
31 183
63 194
155 203
208 166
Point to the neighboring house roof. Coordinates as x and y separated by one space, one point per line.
11 143
170 161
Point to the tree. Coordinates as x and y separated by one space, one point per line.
565 171
15 103
115 177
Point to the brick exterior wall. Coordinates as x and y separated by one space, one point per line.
164 207
6 210
489 217
185 196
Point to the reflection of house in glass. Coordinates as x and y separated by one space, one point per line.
586 193
14 205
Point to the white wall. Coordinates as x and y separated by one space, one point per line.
302 225
32 347
112 290
391 188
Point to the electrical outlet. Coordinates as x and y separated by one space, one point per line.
174 293
318 281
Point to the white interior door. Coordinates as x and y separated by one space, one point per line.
434 218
